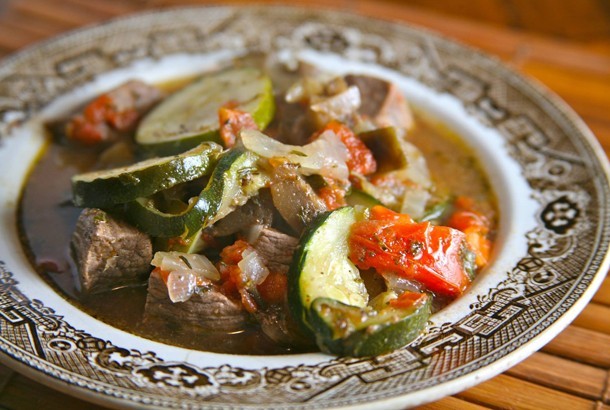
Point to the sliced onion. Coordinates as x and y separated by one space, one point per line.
253 232
181 285
253 268
414 201
340 106
199 265
304 89
417 167
399 284
325 156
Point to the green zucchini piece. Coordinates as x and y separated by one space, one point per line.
353 331
358 197
321 268
190 116
106 188
235 179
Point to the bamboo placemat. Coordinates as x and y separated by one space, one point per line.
572 371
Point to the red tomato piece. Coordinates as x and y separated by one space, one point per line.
475 226
359 158
274 289
232 121
431 255
408 299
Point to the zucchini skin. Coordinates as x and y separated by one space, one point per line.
103 189
236 170
400 328
297 309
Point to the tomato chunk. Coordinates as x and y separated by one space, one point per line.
408 299
359 158
431 255
475 226
232 121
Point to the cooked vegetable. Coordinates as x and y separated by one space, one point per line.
327 294
358 197
183 273
359 158
116 111
235 179
436 256
190 116
347 330
325 156
293 197
321 269
475 226
120 185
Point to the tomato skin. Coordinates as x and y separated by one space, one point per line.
232 121
408 299
333 196
275 288
359 158
431 255
475 226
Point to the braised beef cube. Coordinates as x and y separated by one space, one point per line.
108 252
257 211
208 309
276 249
384 103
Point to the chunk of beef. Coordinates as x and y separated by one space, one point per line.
276 249
382 102
208 309
294 198
257 211
108 252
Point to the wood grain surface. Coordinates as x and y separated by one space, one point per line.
563 44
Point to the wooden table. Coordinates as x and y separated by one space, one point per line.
565 45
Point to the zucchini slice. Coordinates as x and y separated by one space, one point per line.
190 115
352 331
321 268
328 297
360 198
102 189
235 179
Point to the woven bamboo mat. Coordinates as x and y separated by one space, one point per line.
566 46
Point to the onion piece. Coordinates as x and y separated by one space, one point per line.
414 202
181 285
199 265
325 156
400 284
338 107
253 269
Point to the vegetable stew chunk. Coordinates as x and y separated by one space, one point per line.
208 309
109 253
